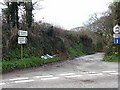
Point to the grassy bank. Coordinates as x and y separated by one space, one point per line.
8 66
28 62
112 58
111 53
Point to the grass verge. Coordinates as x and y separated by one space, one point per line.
8 66
112 58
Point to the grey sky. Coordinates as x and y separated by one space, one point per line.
69 13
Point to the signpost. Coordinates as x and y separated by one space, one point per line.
116 36
116 29
22 39
116 40
22 33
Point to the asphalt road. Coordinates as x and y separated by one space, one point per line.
83 72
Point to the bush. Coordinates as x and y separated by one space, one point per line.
43 38
75 51
112 53
99 46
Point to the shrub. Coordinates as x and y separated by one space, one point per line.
43 38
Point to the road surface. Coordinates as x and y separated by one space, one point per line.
82 72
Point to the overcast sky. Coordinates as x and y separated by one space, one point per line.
69 13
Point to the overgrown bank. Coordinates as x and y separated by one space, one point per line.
44 39
113 53
112 58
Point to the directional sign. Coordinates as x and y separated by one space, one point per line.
22 40
116 35
116 40
22 33
116 29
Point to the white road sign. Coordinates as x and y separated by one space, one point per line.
22 33
116 29
22 40
116 35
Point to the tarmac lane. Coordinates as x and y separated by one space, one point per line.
82 72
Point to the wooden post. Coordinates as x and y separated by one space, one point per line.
21 51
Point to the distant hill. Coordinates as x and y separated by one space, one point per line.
78 29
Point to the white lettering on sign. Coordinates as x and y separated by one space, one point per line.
22 33
22 40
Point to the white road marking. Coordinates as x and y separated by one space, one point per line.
50 78
73 76
114 73
24 81
97 74
66 74
109 71
91 72
15 79
43 76
2 83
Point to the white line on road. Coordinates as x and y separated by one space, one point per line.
15 79
66 74
24 81
43 76
73 76
97 74
2 83
109 71
114 73
50 78
91 72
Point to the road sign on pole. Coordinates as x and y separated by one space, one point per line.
116 29
116 40
22 40
22 33
116 35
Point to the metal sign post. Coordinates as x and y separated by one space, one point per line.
22 40
116 36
